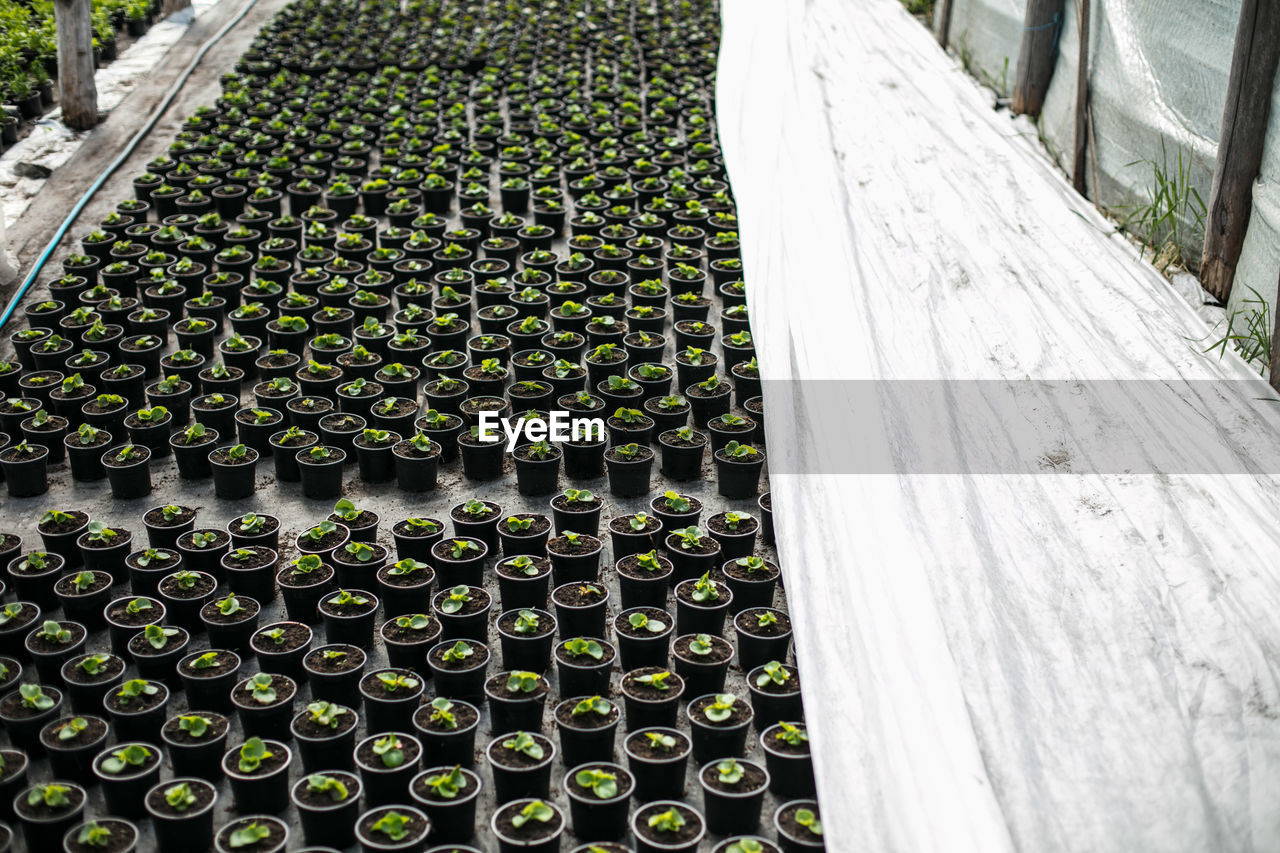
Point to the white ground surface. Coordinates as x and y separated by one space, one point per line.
1070 660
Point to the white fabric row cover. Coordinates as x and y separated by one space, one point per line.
1078 657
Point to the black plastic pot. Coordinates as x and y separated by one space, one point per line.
790 769
718 740
473 625
125 791
792 837
659 710
387 710
132 479
733 809
515 710
190 829
586 736
585 674
265 789
212 690
44 831
235 630
325 748
651 649
197 756
323 819
523 777
445 745
269 721
72 757
582 609
773 702
321 478
592 816
701 617
534 837
354 628
337 679
453 820
233 480
659 772
385 785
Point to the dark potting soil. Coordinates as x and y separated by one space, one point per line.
622 524
458 513
281 684
121 536
733 570
220 538
624 626
479 601
326 542
716 524
704 547
11 707
407 450
766 501
622 778
720 649
497 685
541 524
787 819
217 723
532 831
295 636
779 744
367 757
373 686
42 812
517 760
562 503
403 528
42 645
288 577
121 615
684 592
508 621
791 685
541 564
78 519
353 659
222 456
586 544
269 764
275 833
223 663
578 595
672 437
590 720
750 623
366 518
630 567
139 646
14 763
396 634
753 779
739 713
203 585
153 758
324 799
464 715
348 609
418 577
684 835
258 556
66 585
98 440
202 791
379 554
159 560
608 653
308 727
107 670
298 441
12 541
639 690
26 615
415 826
136 704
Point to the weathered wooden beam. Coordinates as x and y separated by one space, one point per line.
942 24
1244 128
76 88
1037 55
1082 99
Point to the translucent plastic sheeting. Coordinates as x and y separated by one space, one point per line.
1057 661
1158 77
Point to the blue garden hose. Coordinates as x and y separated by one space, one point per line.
124 154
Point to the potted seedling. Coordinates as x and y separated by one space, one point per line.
348 616
599 794
286 445
719 724
644 637
387 762
665 826
126 771
303 582
258 772
157 649
651 697
255 530
26 711
458 668
335 673
390 698
202 550
322 538
357 563
71 743
264 703
33 575
798 824
326 735
164 524
448 796
732 794
84 449
416 462
692 552
184 592
583 665
89 678
516 700
328 805
528 825
407 639
320 470
128 471
60 531
701 605
191 450
233 471
47 811
586 725
392 828
181 811
581 608
129 615
775 693
136 710
149 566
643 579
52 644
196 742
521 765
255 833
252 571
208 676
629 467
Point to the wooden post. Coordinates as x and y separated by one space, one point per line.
76 88
1036 55
1082 98
1244 128
942 27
